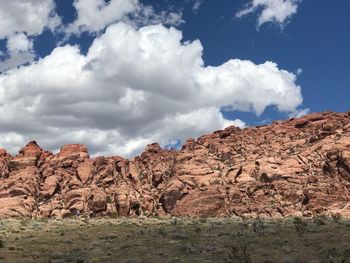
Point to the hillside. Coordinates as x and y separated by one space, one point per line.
297 167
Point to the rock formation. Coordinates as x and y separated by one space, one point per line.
294 167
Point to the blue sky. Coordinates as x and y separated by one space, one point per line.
307 44
316 39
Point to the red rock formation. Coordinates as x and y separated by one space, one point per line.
72 150
294 167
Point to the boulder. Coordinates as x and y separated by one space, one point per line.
209 203
50 186
74 149
85 171
97 201
16 207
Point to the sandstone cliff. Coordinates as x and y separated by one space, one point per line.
294 167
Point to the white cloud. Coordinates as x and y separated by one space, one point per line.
20 19
276 11
297 113
19 43
95 15
14 60
11 140
19 51
195 122
133 87
30 16
196 5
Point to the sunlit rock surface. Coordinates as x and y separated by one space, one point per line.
294 167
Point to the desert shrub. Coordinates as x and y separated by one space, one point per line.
300 225
85 220
43 219
196 227
320 220
109 199
258 226
23 222
189 248
203 220
162 232
336 217
239 253
346 255
332 254
245 223
114 214
174 221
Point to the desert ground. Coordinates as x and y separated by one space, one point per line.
292 240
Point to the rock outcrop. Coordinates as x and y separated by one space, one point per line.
298 167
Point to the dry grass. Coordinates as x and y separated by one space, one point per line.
175 240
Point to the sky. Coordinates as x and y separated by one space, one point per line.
117 75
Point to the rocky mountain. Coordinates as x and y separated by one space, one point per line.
294 167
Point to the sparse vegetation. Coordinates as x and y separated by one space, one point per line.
320 220
336 217
300 225
174 240
258 226
239 253
114 214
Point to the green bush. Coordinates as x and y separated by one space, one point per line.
239 254
300 225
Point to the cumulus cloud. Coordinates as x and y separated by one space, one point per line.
133 87
95 15
30 16
19 51
276 11
20 19
18 43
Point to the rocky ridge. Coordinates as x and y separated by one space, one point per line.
298 167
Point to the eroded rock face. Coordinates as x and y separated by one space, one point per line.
4 160
73 150
294 167
32 149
